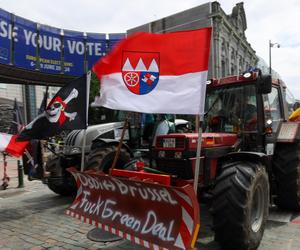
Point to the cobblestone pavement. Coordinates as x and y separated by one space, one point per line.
33 218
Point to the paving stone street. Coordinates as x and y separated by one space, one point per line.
34 218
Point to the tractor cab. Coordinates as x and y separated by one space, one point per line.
252 106
245 105
232 109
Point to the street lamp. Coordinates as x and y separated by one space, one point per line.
277 45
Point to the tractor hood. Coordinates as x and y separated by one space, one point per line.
190 140
73 142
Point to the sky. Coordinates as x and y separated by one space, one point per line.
274 20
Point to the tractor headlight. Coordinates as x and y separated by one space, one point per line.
247 75
178 155
75 150
161 154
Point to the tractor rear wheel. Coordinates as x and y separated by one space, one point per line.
101 159
286 166
240 205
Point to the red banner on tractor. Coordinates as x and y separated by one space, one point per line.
152 215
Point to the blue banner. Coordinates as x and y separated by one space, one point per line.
95 48
74 49
31 46
25 45
114 39
6 34
50 50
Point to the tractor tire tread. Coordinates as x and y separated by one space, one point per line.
230 202
286 166
100 157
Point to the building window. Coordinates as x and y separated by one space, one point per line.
223 65
247 66
232 69
232 55
241 65
223 52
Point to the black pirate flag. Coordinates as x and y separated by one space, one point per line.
66 111
18 121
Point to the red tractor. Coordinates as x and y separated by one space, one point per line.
250 156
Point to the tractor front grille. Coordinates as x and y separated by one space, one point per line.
179 142
180 168
71 138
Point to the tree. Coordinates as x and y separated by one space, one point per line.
100 114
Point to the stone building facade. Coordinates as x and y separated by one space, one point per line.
9 92
230 51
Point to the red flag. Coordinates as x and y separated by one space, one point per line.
9 145
156 73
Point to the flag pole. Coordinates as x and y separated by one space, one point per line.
83 150
198 162
120 144
197 118
88 81
46 94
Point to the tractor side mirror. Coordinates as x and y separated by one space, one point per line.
296 105
264 84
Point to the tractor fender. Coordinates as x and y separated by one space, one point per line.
248 156
100 142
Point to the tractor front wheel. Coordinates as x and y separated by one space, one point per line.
240 205
60 183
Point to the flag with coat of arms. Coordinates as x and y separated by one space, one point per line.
156 73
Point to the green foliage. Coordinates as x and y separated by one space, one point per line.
95 87
101 114
94 91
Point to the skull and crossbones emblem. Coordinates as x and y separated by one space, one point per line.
55 111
